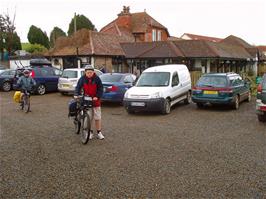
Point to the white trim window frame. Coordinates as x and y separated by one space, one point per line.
154 35
159 35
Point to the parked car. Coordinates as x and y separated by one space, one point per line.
221 88
261 100
44 75
69 79
6 79
115 85
159 88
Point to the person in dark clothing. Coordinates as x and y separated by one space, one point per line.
92 86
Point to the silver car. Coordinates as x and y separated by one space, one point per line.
69 79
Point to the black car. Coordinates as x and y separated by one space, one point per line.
6 79
46 78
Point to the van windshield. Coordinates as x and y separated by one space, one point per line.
70 74
154 79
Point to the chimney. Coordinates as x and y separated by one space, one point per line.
124 18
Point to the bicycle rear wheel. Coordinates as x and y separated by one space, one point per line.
85 128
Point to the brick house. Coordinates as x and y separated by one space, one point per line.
141 27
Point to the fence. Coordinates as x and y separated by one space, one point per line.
195 75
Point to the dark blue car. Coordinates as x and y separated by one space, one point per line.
45 77
6 79
115 85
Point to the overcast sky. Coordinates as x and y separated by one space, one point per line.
218 18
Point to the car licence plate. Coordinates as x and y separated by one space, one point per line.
210 92
65 85
137 104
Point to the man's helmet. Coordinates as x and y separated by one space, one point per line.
89 67
26 72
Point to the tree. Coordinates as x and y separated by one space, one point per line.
37 36
2 35
35 48
56 32
9 39
81 22
15 43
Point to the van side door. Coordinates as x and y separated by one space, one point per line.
175 87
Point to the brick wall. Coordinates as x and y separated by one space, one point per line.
148 36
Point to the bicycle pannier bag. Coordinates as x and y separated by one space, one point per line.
17 96
72 108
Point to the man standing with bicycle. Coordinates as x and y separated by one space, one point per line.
26 82
92 86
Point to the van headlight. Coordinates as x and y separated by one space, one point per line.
155 95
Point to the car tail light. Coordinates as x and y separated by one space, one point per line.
32 74
112 88
196 89
259 89
226 90
263 108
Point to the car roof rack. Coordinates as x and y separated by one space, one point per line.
40 61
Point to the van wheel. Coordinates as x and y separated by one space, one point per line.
188 99
41 89
166 107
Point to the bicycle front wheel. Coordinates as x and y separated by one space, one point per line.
77 124
26 104
85 128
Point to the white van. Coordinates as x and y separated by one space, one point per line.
69 79
158 88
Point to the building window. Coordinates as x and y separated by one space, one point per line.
153 35
159 35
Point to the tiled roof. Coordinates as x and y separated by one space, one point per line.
262 48
236 41
141 21
201 37
184 48
163 49
89 43
195 48
139 24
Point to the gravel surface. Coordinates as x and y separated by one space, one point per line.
213 152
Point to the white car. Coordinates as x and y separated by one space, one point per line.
69 79
159 88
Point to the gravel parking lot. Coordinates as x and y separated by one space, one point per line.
213 152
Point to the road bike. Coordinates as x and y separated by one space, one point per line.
82 119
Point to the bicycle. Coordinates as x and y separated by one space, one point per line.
82 120
25 102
